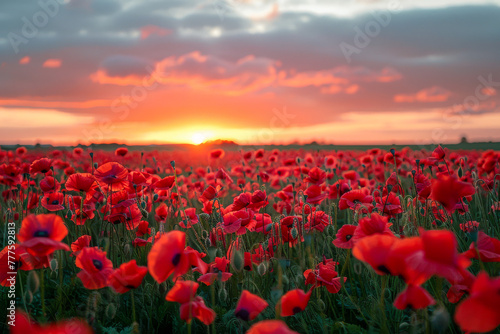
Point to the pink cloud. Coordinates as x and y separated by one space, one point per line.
431 94
24 60
150 30
52 63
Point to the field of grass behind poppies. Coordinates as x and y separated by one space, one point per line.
258 241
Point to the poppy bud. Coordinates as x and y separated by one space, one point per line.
440 320
204 218
53 264
393 151
460 172
237 261
208 243
321 305
222 294
172 163
127 249
143 205
110 311
294 233
329 230
95 165
261 269
33 281
155 197
219 253
91 154
204 234
28 297
162 288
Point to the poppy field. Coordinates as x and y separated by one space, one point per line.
215 240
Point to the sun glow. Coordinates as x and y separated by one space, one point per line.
199 137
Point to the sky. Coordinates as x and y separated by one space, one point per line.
252 71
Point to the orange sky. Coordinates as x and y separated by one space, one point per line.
256 72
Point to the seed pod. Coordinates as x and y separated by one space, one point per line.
204 218
54 264
261 269
110 311
237 261
33 281
127 249
222 294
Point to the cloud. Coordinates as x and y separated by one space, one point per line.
431 94
52 63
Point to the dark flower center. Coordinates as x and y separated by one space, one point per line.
176 259
384 269
296 310
243 314
41 234
55 202
348 237
97 264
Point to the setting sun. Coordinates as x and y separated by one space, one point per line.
199 137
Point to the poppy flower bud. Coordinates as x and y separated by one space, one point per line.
110 311
321 305
54 264
127 249
208 243
162 288
219 253
204 234
237 261
28 297
329 230
261 269
460 172
204 218
294 233
393 151
155 197
143 204
33 281
95 165
440 320
91 154
172 163
389 187
223 294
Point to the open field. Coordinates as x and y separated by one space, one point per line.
197 239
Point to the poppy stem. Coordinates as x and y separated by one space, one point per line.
42 290
133 305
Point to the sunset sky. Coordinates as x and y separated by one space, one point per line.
257 72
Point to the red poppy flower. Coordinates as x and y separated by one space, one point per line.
354 198
197 309
270 327
488 248
249 306
375 250
189 218
48 184
375 224
343 238
449 191
40 166
24 325
293 302
217 153
80 243
168 256
80 182
414 297
318 220
41 235
165 184
316 176
143 229
389 205
439 255
239 222
128 276
480 312
423 185
315 194
96 268
112 175
53 201
121 151
325 275
161 213
22 260
258 200
217 271
182 292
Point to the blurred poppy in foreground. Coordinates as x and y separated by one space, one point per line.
249 306
41 235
